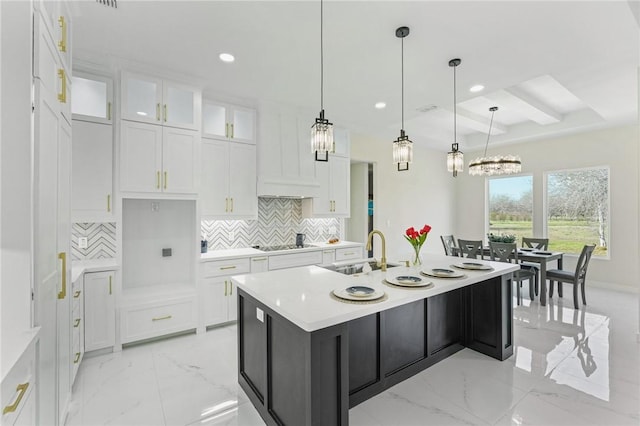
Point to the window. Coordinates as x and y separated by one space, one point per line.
511 206
578 210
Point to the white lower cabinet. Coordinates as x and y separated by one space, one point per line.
77 326
259 264
99 310
348 253
158 318
19 389
283 261
220 294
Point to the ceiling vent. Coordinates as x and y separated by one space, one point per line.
110 3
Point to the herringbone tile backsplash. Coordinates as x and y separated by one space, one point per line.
101 241
279 219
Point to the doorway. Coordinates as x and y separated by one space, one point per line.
361 220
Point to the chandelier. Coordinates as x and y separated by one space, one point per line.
322 143
497 165
402 147
455 157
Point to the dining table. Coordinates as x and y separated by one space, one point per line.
541 257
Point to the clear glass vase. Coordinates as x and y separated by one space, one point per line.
416 259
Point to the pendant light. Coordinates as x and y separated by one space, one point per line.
498 165
322 130
402 147
455 158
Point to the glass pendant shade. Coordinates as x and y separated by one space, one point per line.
496 165
322 143
402 152
455 160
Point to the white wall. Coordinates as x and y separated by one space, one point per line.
423 195
616 148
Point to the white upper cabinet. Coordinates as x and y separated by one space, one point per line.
341 142
333 199
92 172
228 180
154 159
56 18
228 122
153 100
92 98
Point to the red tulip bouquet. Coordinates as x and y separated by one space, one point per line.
417 239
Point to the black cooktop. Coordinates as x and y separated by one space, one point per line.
282 247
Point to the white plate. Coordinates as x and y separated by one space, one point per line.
474 266
342 293
442 273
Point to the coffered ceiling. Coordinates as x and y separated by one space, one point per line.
551 67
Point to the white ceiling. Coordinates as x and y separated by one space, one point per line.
552 67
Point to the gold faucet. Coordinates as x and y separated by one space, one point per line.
383 261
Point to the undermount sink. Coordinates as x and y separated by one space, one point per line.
356 267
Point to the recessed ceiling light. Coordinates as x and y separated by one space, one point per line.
380 105
476 88
226 57
141 113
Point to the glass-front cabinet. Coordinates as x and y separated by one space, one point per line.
92 98
228 122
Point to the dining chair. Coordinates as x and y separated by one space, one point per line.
470 248
537 244
449 243
508 253
576 278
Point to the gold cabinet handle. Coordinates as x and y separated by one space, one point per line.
110 280
222 268
226 205
108 110
158 112
158 179
327 251
62 96
76 324
165 113
77 358
166 317
259 259
108 203
63 293
225 287
76 294
349 254
62 44
231 288
231 204
226 130
166 179
22 388
231 130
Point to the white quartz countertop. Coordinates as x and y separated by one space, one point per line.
302 295
249 252
79 267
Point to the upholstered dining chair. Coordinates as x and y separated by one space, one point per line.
470 248
508 253
577 278
449 243
536 244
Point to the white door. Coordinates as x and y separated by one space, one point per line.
216 292
214 193
65 360
99 311
179 159
46 264
242 180
340 188
141 98
181 106
92 161
140 157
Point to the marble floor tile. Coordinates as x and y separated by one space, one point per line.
569 367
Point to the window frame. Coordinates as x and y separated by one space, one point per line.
545 204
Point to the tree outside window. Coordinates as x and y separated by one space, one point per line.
511 206
578 210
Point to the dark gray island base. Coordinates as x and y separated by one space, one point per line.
296 377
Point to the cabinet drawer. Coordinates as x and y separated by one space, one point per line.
220 268
283 261
348 253
18 387
151 321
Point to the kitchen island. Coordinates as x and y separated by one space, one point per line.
305 358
